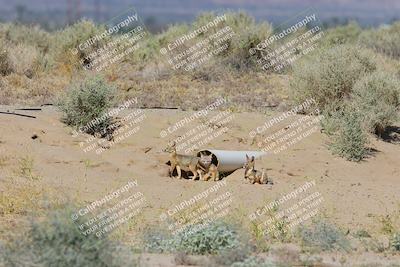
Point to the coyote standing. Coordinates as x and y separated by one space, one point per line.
252 174
183 162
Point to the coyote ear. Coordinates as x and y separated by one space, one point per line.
252 158
247 157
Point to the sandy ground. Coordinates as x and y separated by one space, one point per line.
355 194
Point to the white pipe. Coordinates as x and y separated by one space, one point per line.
230 160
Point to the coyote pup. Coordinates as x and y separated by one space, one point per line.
183 162
212 173
252 174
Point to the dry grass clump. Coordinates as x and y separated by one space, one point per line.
24 59
18 197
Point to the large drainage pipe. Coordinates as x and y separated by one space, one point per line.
228 161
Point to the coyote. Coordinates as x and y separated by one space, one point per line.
210 168
252 174
183 162
212 173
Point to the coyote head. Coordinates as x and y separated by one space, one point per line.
249 163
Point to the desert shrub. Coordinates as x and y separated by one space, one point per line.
57 241
248 34
148 51
350 139
227 257
346 34
210 239
332 117
361 233
25 59
395 241
385 40
324 235
156 240
377 98
18 34
85 105
330 75
172 33
71 37
5 62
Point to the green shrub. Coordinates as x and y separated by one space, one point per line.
385 40
71 37
248 34
395 242
350 139
347 34
212 239
323 235
377 98
332 117
330 76
57 241
85 105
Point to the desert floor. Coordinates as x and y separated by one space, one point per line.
355 195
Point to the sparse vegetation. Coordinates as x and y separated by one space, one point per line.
350 139
253 262
21 197
212 239
57 241
395 242
85 105
330 75
5 63
347 34
323 235
356 94
26 168
384 40
377 99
